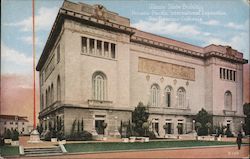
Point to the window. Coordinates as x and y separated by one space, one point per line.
58 53
168 96
99 86
91 46
84 44
227 74
58 89
220 72
42 103
155 92
46 96
181 97
234 75
113 51
11 123
99 48
49 92
5 123
106 49
52 93
228 100
224 73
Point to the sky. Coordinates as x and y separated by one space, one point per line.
224 22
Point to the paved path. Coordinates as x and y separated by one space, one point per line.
215 152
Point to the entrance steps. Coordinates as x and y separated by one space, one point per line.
42 151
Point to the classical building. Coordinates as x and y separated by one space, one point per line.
95 67
14 122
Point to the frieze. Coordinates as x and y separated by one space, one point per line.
166 69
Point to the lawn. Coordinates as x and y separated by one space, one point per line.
9 150
94 147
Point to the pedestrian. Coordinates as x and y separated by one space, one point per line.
239 140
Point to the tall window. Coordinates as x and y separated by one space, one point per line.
42 102
58 53
168 96
58 89
228 100
46 98
113 51
155 92
181 97
84 44
52 93
99 48
91 46
49 99
99 86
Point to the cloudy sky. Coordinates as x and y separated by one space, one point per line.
200 23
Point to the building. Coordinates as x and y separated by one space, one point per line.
14 122
96 67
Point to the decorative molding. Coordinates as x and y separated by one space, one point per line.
166 69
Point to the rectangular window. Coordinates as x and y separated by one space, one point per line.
234 75
5 123
84 44
113 51
99 48
106 49
231 75
220 72
58 53
227 74
11 123
224 73
91 46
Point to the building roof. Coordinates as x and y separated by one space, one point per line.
14 117
99 16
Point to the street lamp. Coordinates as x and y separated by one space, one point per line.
193 125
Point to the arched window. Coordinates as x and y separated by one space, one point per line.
58 89
99 86
168 96
155 93
181 97
46 98
228 100
49 99
42 103
52 93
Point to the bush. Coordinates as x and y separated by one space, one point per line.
151 135
7 134
47 136
228 133
15 135
82 136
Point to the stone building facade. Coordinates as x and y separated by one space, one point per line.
95 67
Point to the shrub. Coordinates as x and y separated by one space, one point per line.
82 136
151 135
47 136
15 135
7 134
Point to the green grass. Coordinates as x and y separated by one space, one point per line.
9 150
94 147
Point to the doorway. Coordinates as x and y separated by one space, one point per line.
99 127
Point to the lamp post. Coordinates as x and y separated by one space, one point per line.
241 128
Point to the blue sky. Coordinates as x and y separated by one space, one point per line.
200 23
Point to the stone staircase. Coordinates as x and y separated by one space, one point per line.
42 151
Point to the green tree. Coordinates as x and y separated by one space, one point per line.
209 127
198 126
246 110
203 117
139 116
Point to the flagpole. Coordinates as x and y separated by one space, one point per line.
34 63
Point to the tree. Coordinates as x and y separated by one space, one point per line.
246 110
139 116
203 117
